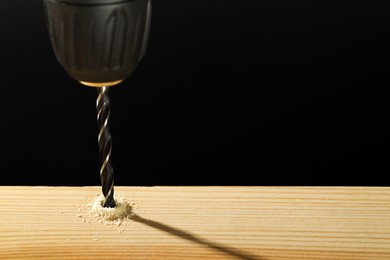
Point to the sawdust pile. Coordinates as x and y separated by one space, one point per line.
123 209
118 217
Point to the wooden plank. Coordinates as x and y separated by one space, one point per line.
198 223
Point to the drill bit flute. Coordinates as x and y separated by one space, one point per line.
105 146
99 43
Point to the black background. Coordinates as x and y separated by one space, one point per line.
229 93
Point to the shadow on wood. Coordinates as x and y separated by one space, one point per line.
195 239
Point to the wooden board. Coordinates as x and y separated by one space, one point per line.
198 223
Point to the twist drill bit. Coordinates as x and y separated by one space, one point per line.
105 146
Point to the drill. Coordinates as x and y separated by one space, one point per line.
99 43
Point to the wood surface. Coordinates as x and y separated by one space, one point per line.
198 223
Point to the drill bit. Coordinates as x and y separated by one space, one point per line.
105 146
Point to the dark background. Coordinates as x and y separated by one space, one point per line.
229 93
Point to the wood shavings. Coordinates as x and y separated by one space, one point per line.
118 214
117 218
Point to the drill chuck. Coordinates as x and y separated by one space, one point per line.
98 42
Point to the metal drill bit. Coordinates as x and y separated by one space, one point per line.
105 147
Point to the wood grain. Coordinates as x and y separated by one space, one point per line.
198 223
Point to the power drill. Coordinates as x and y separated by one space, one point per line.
99 43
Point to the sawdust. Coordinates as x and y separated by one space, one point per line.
118 217
120 212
